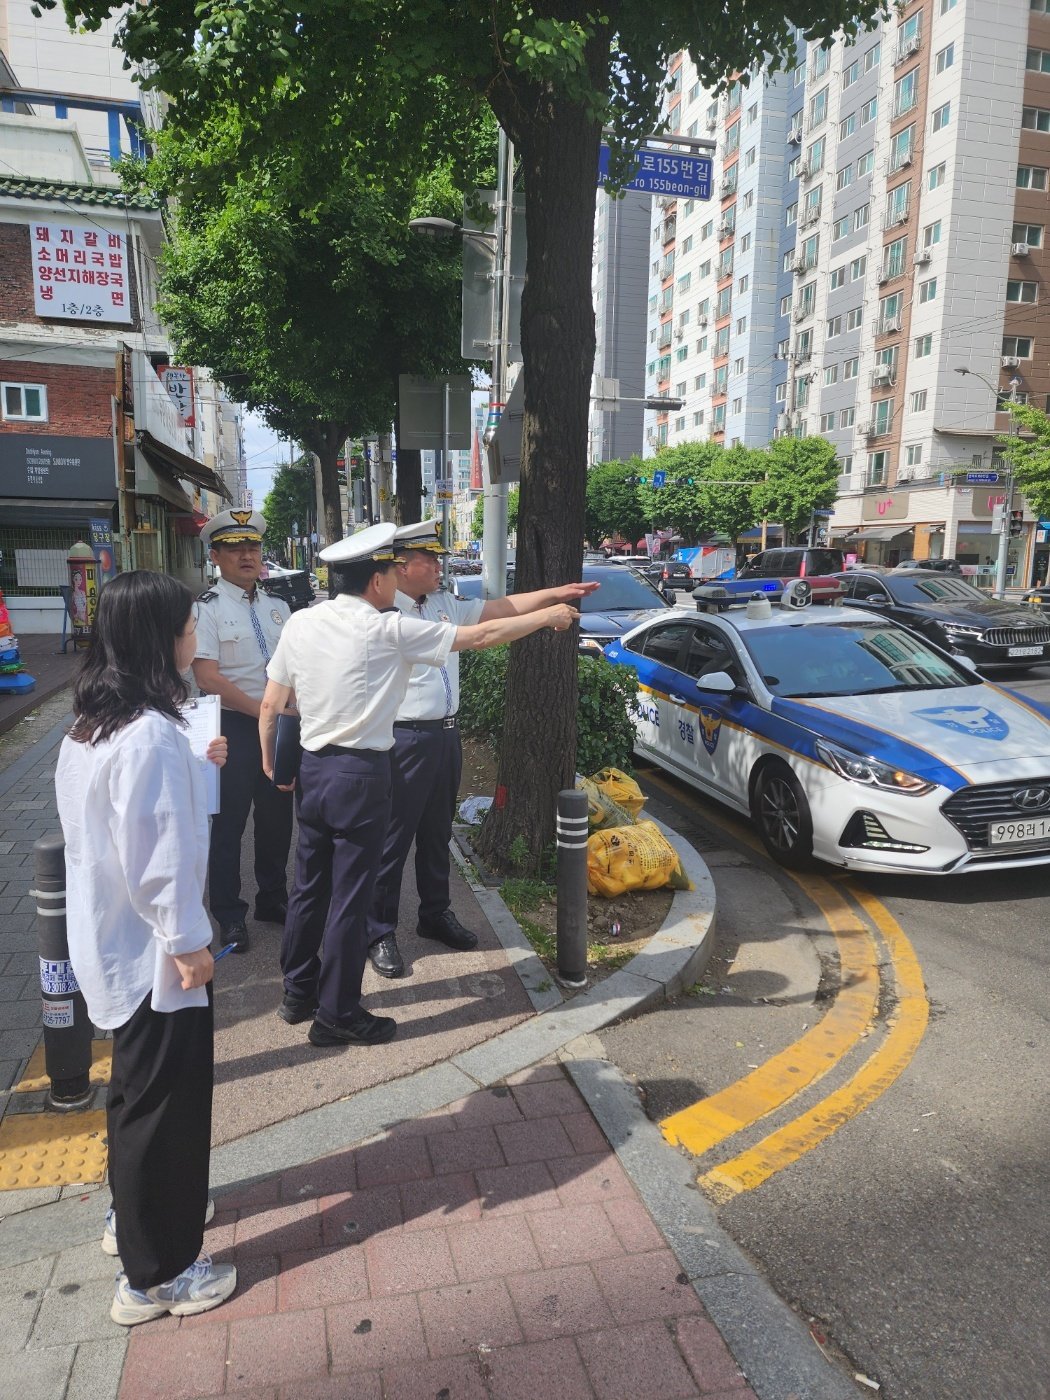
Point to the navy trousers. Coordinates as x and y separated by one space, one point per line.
158 1119
343 808
426 765
242 785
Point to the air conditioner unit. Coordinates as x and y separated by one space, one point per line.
870 430
904 160
890 324
883 278
811 217
795 135
783 422
712 123
911 46
923 256
1011 361
901 218
701 321
801 313
1019 250
724 230
725 187
679 333
905 473
881 374
799 265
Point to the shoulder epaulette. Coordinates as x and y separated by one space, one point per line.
207 595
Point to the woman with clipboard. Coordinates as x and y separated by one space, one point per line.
131 799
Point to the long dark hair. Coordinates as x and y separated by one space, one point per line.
130 667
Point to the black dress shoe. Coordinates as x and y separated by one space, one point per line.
385 957
296 1009
234 933
447 929
364 1029
271 911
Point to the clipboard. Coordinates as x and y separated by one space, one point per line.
287 750
203 718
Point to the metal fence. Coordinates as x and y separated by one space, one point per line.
33 559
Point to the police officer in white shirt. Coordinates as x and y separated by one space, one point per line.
238 629
349 661
427 758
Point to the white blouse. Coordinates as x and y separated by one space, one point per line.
133 813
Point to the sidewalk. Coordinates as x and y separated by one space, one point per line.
478 1211
51 670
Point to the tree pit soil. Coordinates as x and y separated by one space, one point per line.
639 914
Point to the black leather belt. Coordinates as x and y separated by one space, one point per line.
449 722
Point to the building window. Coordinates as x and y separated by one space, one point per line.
698 418
679 424
787 260
901 148
913 454
831 374
681 354
861 216
869 111
851 368
718 417
749 158
741 325
936 177
847 126
687 244
794 167
847 417
748 199
738 365
685 281
877 464
722 341
905 93
893 256
1031 177
810 248
783 349
839 229
800 75
837 278
701 345
708 229
865 164
923 346
928 291
745 243
1038 60
918 401
791 216
851 74
872 57
818 108
743 283
834 326
946 58
931 234
857 269
1035 118
943 115
821 59
846 463
680 390
24 403
947 5
781 393
1032 234
738 405
815 156
855 318
1022 291
827 422
1018 346
700 382
752 114
883 415
845 177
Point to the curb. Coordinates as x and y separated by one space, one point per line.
769 1341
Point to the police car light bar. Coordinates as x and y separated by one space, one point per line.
789 593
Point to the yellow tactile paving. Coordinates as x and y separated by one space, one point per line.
35 1077
51 1149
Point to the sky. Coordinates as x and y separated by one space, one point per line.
264 451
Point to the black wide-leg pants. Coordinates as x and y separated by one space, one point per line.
159 1124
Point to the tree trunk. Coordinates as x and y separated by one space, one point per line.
557 143
326 439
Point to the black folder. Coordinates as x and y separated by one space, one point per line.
287 750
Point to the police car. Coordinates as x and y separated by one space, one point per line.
842 735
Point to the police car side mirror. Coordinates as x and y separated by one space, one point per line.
721 682
669 594
967 662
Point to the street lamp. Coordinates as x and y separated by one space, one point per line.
1003 552
433 227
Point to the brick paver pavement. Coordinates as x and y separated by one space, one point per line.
495 1250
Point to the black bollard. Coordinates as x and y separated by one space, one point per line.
67 1029
572 887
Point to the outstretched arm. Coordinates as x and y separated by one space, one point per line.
495 631
518 604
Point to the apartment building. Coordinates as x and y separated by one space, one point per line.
620 269
908 174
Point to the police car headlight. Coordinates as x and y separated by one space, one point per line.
858 768
593 646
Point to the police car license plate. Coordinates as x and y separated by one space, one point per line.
1024 651
1014 833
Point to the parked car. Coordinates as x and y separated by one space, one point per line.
796 562
938 566
845 737
953 614
662 573
623 600
293 585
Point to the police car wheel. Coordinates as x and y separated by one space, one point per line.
781 813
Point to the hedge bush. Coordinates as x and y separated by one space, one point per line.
604 726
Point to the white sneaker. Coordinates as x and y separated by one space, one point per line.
199 1288
109 1233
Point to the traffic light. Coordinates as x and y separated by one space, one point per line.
1016 522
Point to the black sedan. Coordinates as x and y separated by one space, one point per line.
623 600
953 614
661 573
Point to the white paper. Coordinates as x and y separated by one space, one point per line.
203 717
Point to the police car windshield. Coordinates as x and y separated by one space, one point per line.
848 658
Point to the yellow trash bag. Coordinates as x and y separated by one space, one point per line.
623 790
602 811
638 857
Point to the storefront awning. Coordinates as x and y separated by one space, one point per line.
177 464
191 524
879 532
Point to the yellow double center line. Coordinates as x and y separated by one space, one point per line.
713 1120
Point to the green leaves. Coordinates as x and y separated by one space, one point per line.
1029 455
